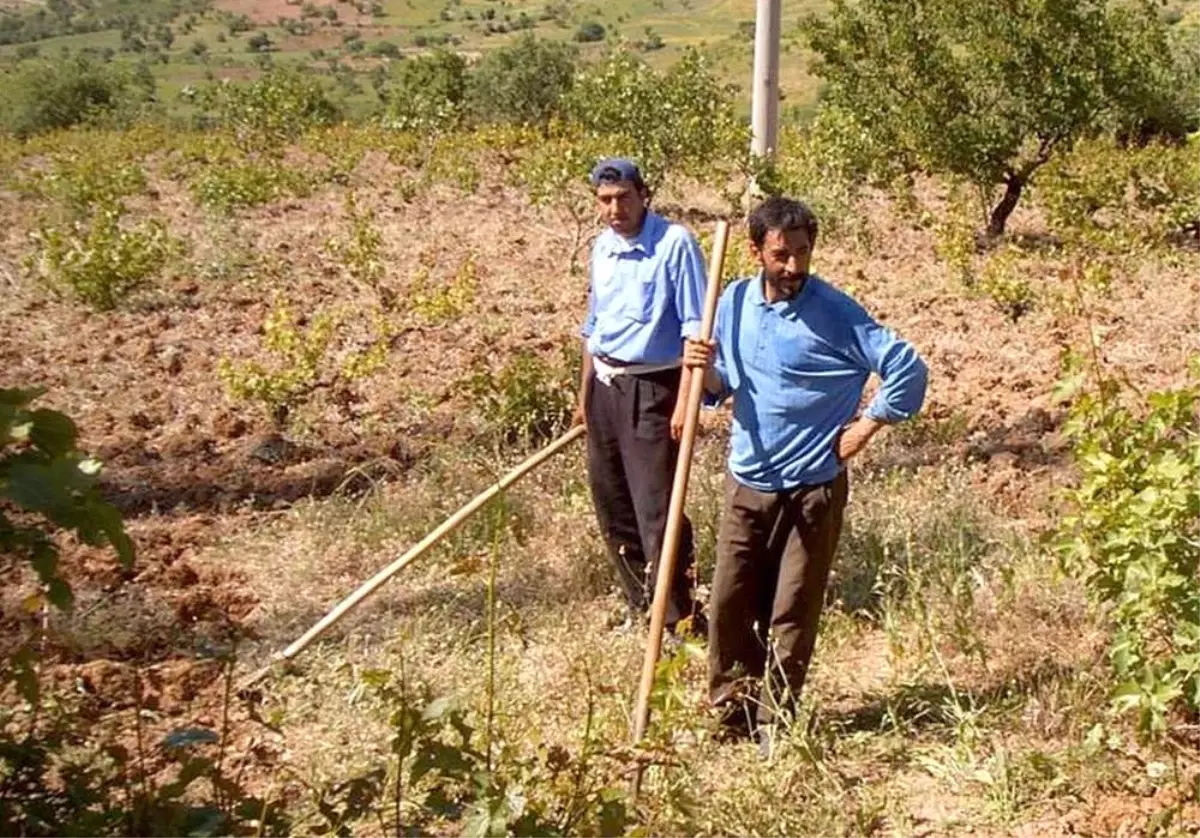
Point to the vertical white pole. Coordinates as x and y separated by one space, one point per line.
765 84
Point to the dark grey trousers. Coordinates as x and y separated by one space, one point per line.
774 552
631 466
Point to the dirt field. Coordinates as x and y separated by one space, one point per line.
248 534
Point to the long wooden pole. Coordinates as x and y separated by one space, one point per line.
446 527
683 467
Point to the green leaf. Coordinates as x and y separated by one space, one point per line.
16 397
53 432
59 593
107 519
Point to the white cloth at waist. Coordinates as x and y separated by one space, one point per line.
605 373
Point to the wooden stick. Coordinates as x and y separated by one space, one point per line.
446 527
683 467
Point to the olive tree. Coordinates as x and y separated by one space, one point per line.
990 91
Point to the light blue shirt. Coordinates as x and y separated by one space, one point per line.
646 294
796 370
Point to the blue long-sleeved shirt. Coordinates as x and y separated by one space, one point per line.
796 370
646 294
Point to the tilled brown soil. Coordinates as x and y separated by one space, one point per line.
188 467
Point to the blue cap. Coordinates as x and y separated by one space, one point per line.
614 169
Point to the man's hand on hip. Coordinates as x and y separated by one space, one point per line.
855 436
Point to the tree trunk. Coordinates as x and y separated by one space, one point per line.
1013 184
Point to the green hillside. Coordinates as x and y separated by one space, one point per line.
188 43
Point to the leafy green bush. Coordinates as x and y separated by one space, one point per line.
525 401
384 49
101 260
277 107
1115 198
39 96
304 356
682 119
82 180
360 252
448 302
225 187
1004 280
589 32
523 83
826 162
1132 535
425 93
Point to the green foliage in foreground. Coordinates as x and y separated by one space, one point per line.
43 473
1134 535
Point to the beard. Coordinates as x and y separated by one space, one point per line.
787 283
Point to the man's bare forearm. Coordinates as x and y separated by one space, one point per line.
585 375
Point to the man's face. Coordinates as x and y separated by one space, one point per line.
785 256
621 206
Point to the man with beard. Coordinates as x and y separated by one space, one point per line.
646 296
794 353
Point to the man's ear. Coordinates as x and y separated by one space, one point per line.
755 251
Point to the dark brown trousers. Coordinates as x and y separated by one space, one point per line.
774 551
631 466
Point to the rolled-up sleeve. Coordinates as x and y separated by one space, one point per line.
903 375
876 348
905 378
689 277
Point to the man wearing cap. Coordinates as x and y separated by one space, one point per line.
646 296
794 353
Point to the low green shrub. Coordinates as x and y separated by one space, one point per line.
101 260
1132 533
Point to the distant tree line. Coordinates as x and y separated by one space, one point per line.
73 17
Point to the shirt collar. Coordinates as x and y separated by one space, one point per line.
615 243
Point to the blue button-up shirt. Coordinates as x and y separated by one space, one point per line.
646 294
796 370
